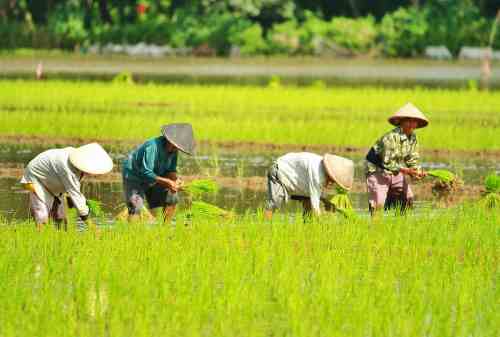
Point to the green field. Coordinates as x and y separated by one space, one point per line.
432 275
460 120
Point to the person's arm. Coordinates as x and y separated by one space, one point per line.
386 148
412 162
314 187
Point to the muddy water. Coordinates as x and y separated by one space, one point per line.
13 201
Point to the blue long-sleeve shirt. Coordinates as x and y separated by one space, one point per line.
148 161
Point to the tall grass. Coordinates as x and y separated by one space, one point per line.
283 115
434 275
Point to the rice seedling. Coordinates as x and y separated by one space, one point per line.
198 187
95 207
445 184
207 210
341 203
491 198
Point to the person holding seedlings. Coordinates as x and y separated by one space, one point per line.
55 172
302 176
150 171
392 159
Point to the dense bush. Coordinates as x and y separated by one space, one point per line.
403 32
455 23
247 27
356 35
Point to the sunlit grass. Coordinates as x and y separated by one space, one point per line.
434 274
356 117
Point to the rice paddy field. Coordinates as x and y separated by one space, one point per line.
432 272
342 117
433 275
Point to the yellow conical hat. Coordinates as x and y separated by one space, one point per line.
91 158
409 111
340 169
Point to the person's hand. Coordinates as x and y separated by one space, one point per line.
408 171
421 174
168 184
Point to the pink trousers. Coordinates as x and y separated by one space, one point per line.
381 185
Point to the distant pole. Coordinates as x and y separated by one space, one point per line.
487 55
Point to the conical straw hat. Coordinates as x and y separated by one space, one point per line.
340 169
409 111
91 158
180 135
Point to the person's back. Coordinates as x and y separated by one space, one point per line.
301 172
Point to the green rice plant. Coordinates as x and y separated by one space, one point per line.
445 184
342 203
95 207
432 274
492 183
444 176
207 210
305 115
198 187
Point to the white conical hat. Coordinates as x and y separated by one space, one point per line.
340 169
180 135
409 111
91 158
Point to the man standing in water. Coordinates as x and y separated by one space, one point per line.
55 172
302 176
150 171
392 159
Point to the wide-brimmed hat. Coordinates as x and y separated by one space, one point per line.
339 169
409 111
180 135
91 158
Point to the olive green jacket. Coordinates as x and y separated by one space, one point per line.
396 150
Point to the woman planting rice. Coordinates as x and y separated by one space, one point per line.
150 171
394 157
302 176
55 172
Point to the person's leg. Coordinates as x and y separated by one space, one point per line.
378 185
38 210
134 198
58 213
306 208
276 194
158 196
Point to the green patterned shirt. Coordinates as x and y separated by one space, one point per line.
396 150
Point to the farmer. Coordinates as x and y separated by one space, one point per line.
302 176
150 171
60 171
392 159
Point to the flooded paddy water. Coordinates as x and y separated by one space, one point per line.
241 176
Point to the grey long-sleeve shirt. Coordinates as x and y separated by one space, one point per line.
52 173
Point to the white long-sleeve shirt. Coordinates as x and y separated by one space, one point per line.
303 174
52 174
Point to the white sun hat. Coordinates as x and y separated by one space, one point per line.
180 135
409 111
340 169
91 158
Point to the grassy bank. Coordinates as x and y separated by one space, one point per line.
281 115
436 274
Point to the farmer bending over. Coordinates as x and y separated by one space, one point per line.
55 172
302 176
392 159
150 171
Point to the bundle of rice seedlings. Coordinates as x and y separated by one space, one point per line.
492 183
95 207
342 203
206 210
491 198
445 182
200 186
